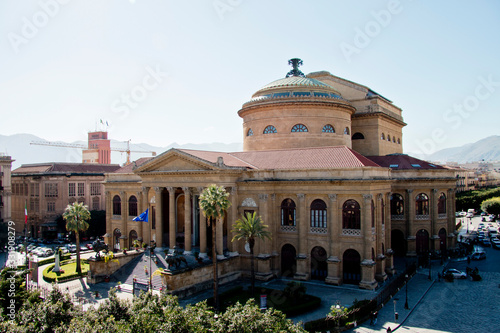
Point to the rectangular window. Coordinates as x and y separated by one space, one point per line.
153 218
51 206
34 205
71 190
51 190
95 188
81 189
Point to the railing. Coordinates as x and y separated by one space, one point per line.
288 228
441 216
351 232
318 230
397 217
422 217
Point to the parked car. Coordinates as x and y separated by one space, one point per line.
495 242
486 242
71 248
478 256
455 273
462 213
89 246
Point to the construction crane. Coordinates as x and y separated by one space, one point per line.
80 146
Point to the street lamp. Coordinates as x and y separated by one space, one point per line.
430 277
406 303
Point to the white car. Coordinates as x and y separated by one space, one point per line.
455 273
462 213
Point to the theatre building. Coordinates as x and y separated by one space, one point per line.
322 164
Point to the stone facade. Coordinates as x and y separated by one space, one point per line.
330 209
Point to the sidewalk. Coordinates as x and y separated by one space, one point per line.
418 287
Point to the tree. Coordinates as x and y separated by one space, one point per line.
491 206
250 228
76 216
213 204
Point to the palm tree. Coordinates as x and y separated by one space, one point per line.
250 228
76 216
214 203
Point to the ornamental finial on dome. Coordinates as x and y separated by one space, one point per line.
295 62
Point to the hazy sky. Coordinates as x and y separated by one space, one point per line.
178 71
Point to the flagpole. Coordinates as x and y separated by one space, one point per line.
150 257
26 263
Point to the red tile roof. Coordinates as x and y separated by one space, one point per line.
129 168
403 162
58 168
299 158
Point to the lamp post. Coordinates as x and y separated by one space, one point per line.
430 277
406 303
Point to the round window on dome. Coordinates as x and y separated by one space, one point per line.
250 132
299 128
270 130
328 129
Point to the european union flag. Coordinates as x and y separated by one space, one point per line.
143 217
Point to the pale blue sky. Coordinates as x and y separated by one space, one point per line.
437 60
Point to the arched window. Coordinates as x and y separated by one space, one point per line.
250 132
270 129
397 205
351 216
117 205
358 136
442 204
382 137
132 206
394 139
96 203
288 212
399 141
328 129
299 128
346 131
422 204
388 138
318 214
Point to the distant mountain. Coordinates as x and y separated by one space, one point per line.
19 148
487 149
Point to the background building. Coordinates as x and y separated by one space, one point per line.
322 164
5 197
46 189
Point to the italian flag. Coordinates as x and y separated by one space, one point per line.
25 214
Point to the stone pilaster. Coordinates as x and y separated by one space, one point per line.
368 275
233 216
203 231
124 218
366 226
334 271
108 239
302 226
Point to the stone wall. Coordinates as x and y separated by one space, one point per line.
191 281
99 269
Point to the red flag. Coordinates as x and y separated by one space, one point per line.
25 214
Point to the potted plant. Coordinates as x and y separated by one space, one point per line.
125 251
144 245
136 244
118 286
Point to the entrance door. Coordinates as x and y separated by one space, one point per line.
288 261
319 266
352 267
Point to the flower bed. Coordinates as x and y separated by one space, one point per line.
68 268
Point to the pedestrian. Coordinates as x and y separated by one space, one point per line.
375 316
389 329
372 317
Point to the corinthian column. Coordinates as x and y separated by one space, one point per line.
159 217
171 219
187 220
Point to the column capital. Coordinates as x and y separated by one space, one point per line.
273 197
186 190
138 193
170 189
409 191
200 189
434 190
380 197
367 197
234 190
145 189
122 193
301 196
332 197
263 197
157 189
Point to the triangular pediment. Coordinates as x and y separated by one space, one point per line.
175 161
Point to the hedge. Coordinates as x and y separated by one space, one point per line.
52 260
66 277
